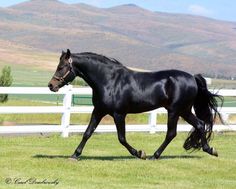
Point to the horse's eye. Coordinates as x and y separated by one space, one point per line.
60 67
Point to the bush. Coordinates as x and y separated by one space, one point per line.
79 82
5 81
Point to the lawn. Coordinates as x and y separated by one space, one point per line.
106 164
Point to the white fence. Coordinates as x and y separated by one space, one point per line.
66 109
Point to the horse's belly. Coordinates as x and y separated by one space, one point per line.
144 106
141 109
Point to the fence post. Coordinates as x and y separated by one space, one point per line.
65 121
152 121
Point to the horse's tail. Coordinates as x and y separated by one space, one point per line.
205 107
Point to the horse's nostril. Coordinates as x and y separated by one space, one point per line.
50 85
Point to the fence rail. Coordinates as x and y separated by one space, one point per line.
66 109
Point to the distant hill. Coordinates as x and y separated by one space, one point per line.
135 36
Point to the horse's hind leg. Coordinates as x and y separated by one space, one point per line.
171 133
199 125
120 125
94 121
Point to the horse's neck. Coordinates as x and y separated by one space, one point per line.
93 74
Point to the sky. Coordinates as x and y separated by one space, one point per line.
217 9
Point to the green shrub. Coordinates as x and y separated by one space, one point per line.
5 81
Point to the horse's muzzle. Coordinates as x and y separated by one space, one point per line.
53 88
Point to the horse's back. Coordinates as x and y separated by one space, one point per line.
166 78
158 75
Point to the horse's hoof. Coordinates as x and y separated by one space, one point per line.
214 152
73 158
142 154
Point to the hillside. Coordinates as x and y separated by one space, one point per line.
29 66
135 36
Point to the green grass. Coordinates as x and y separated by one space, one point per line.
223 84
29 76
106 164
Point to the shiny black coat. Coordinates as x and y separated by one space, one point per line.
118 91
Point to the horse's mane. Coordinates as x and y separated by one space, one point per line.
100 58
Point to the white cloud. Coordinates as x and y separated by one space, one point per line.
199 10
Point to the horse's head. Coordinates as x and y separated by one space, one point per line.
64 73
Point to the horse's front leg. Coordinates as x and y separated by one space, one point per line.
120 125
95 119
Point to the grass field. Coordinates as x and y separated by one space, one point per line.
106 164
223 84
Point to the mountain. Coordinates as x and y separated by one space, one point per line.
135 36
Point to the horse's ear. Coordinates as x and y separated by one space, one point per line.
68 54
62 54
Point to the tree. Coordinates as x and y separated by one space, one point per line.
5 81
79 82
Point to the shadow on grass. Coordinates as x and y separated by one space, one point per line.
112 158
180 157
101 158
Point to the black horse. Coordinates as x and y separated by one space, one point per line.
118 91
